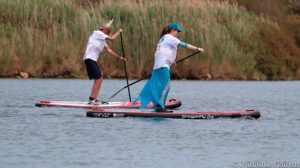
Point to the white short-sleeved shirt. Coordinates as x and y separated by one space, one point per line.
166 50
95 45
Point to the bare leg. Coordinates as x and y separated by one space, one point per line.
96 88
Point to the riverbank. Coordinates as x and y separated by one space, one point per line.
47 39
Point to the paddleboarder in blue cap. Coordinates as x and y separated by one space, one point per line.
157 87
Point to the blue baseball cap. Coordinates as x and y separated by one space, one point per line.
175 26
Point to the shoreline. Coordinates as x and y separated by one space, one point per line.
117 78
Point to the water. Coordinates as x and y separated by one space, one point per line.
64 137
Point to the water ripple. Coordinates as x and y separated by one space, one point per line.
62 137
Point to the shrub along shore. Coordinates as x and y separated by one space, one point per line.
47 39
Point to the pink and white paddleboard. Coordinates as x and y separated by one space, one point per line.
170 104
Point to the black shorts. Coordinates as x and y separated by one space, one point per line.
92 69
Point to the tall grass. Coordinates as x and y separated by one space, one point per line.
48 38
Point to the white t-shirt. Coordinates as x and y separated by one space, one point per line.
166 50
95 45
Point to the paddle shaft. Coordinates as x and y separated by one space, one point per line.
150 75
125 68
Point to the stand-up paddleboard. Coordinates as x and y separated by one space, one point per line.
170 104
182 115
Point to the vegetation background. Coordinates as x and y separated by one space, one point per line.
244 40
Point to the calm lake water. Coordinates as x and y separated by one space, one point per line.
64 137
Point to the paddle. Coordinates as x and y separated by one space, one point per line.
125 68
149 75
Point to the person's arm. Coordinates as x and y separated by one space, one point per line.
191 47
114 36
111 52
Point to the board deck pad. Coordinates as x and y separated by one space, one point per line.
170 104
180 115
